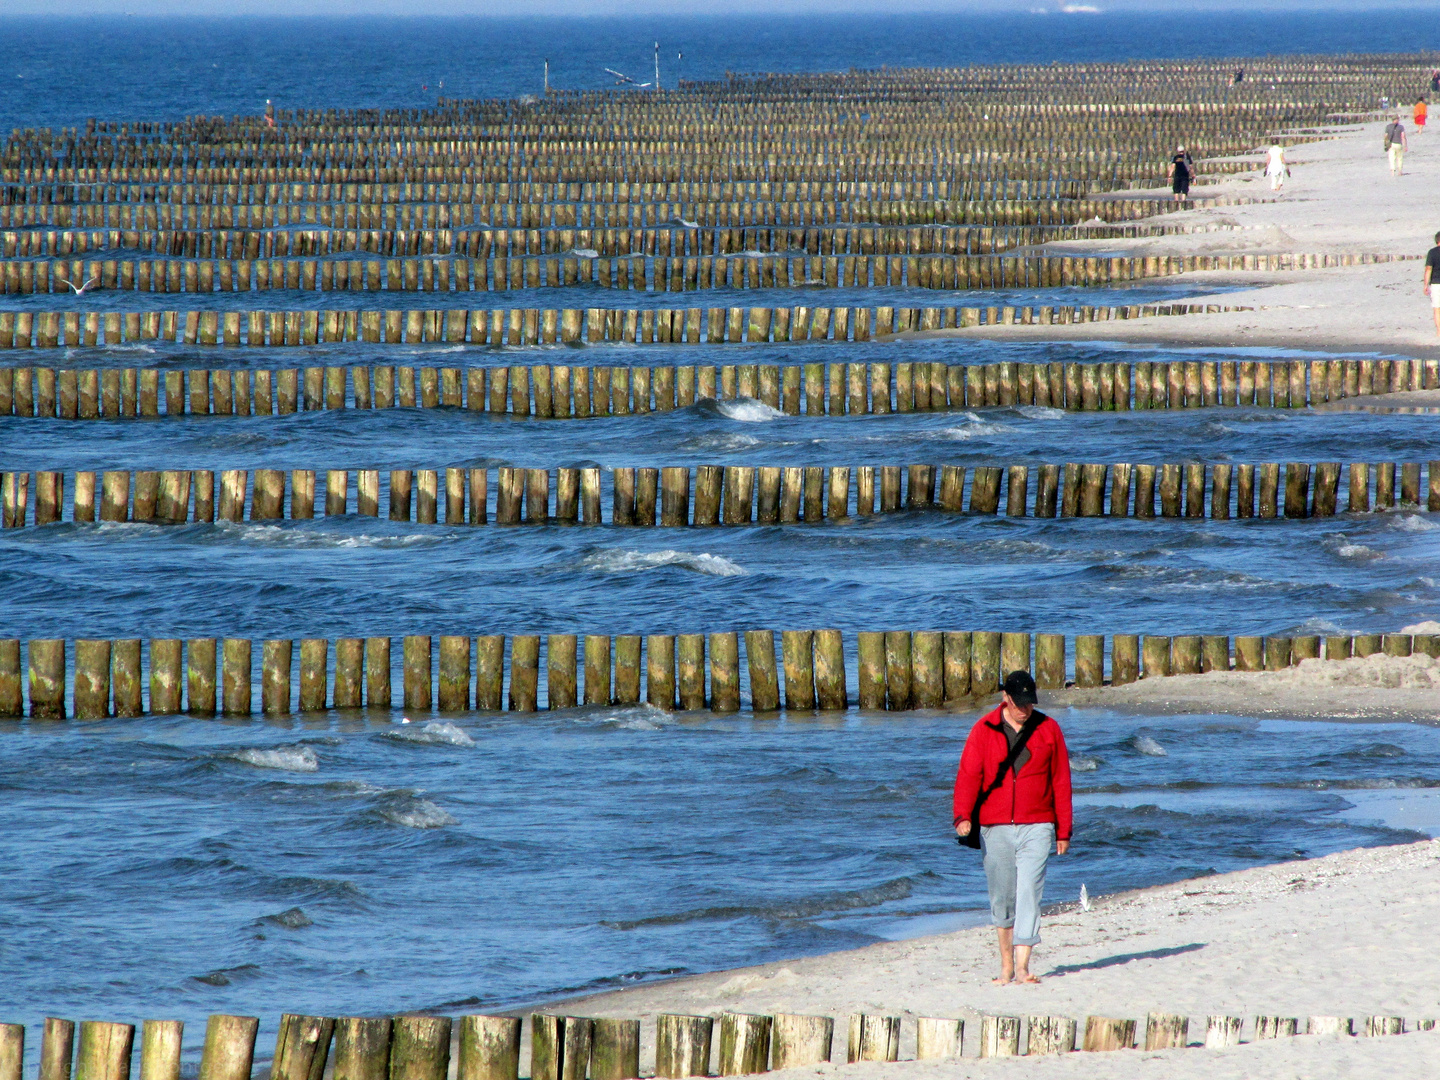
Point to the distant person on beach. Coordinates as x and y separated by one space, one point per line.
1275 167
1422 113
1395 145
1432 281
1239 76
1027 808
269 114
1435 83
1182 168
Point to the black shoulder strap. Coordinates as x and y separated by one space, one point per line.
1027 729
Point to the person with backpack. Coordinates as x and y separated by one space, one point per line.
1012 800
1395 145
1182 168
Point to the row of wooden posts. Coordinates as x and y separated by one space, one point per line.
410 1047
535 326
660 273
728 214
895 670
811 389
479 242
722 495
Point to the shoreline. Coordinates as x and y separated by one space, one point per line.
1286 939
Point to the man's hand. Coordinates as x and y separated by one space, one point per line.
1062 846
963 829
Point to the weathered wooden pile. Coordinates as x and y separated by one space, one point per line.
411 1047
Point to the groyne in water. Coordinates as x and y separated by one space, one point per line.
892 670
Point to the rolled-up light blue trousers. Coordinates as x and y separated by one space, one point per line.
1015 872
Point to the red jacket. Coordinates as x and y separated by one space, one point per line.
1040 793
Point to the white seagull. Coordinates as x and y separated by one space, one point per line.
83 289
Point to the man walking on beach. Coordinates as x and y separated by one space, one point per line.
1395 145
1432 281
1016 769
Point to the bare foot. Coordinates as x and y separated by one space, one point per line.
1026 977
1005 979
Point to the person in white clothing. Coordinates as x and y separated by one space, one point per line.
1275 168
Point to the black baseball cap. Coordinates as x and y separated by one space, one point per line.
1021 688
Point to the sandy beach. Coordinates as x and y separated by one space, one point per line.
1344 935
1340 198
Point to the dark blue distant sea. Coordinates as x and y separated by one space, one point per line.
56 72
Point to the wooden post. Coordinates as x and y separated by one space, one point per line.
1124 659
985 673
1222 1031
999 1036
362 1048
873 1038
105 1050
489 1048
1166 1030
744 1044
800 1040
1275 1027
47 679
1155 656
235 673
614 1049
1376 1026
275 664
938 1037
682 1045
597 669
489 672
302 1047
229 1052
830 692
870 647
420 1048
724 672
524 673
927 653
1107 1033
899 670
92 680
57 1049
1186 655
764 682
1049 1035
454 694
377 672
659 671
690 670
1329 1026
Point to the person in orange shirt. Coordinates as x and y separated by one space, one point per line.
1422 111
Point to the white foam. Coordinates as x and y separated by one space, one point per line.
437 732
1040 412
623 560
417 814
645 717
585 253
1144 744
284 758
1429 626
1084 764
748 411
723 442
1357 551
1411 523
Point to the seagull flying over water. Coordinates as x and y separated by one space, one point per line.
83 289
